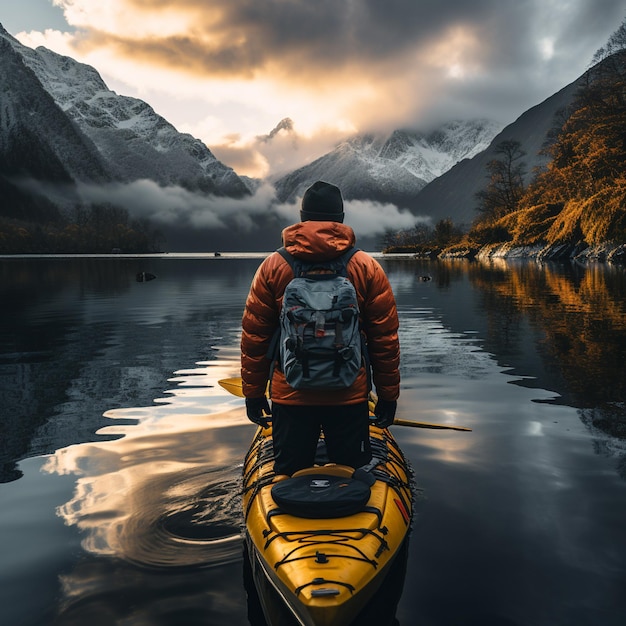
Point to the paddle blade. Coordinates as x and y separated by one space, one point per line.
232 385
400 422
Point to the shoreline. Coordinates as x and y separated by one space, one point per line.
582 253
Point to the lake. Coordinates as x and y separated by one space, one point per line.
121 455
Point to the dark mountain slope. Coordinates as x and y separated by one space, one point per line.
452 195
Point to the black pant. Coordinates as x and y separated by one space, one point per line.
296 431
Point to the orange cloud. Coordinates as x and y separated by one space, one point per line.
331 66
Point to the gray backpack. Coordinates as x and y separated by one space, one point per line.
320 345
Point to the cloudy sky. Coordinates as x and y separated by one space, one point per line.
230 71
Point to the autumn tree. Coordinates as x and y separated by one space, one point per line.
588 153
585 174
579 197
506 181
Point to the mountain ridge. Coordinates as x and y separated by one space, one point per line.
453 194
133 141
37 143
434 174
390 168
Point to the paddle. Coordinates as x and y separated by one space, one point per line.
233 385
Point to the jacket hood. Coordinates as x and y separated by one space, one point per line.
317 241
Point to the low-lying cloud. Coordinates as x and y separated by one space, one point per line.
177 205
174 205
366 217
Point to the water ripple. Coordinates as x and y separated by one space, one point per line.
178 519
196 522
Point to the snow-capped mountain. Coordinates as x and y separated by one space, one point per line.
391 168
60 123
37 142
453 193
133 141
28 110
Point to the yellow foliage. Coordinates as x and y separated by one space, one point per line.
530 226
585 177
599 218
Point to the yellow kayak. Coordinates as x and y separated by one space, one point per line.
325 538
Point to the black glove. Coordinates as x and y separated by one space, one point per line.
385 411
255 408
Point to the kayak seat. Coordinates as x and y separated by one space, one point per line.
315 494
332 469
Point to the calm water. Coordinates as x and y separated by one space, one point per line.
121 455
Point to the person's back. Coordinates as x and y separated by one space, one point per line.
341 413
319 344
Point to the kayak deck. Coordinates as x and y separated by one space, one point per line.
326 569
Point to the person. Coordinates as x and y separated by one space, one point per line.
298 416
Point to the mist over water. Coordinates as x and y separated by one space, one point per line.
191 220
121 455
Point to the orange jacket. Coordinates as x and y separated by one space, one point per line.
315 241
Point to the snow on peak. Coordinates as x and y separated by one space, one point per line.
134 140
391 167
424 155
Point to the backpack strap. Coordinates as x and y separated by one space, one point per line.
297 265
345 259
288 257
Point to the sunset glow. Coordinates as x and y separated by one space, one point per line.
229 71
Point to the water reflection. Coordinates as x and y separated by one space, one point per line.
98 592
581 316
80 336
522 519
164 495
558 327
578 317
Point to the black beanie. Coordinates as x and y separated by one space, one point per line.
322 202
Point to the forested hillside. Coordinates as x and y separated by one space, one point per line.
577 201
580 197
